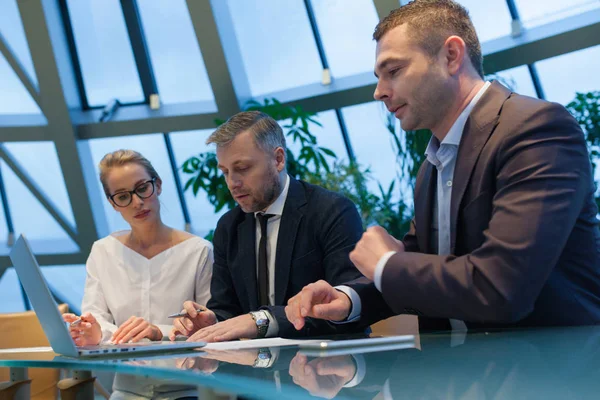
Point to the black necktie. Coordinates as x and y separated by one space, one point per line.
263 261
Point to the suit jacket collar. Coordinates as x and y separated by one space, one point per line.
293 212
425 189
478 128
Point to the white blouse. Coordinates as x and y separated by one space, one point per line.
121 283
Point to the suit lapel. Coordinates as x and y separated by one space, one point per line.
476 133
288 229
247 251
424 190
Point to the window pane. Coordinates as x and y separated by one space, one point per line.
31 218
11 299
518 80
491 18
347 34
539 12
14 98
202 213
68 283
178 65
276 43
582 76
11 28
41 163
372 142
104 50
153 148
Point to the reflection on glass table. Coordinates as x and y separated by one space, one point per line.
528 363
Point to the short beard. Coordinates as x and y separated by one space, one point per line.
270 191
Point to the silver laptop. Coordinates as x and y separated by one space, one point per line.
52 322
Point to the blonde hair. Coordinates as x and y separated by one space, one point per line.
118 159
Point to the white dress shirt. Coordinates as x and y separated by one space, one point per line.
121 283
275 209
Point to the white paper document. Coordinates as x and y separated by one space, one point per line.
258 343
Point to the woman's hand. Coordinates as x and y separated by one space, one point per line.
135 329
87 332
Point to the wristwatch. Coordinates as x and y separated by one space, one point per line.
263 358
262 322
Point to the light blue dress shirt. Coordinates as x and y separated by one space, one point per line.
443 157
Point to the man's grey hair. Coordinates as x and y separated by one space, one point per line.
268 135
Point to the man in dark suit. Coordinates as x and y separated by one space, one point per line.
305 235
505 230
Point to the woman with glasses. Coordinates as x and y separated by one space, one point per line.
136 278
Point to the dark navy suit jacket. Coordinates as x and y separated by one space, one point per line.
318 229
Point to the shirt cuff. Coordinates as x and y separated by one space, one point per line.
354 300
273 329
379 268
361 370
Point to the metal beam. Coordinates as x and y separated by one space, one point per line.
37 192
24 134
233 55
47 259
24 127
139 120
205 27
342 92
16 65
6 209
539 43
73 56
45 32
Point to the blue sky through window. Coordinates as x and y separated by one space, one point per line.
567 74
276 44
104 50
178 65
346 33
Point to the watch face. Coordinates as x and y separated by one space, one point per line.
260 318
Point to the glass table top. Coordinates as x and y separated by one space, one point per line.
533 363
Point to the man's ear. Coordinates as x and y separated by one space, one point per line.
280 159
455 51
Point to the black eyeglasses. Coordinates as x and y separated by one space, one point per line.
143 191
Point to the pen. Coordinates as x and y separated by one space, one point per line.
182 314
76 322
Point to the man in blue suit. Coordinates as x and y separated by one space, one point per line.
283 235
